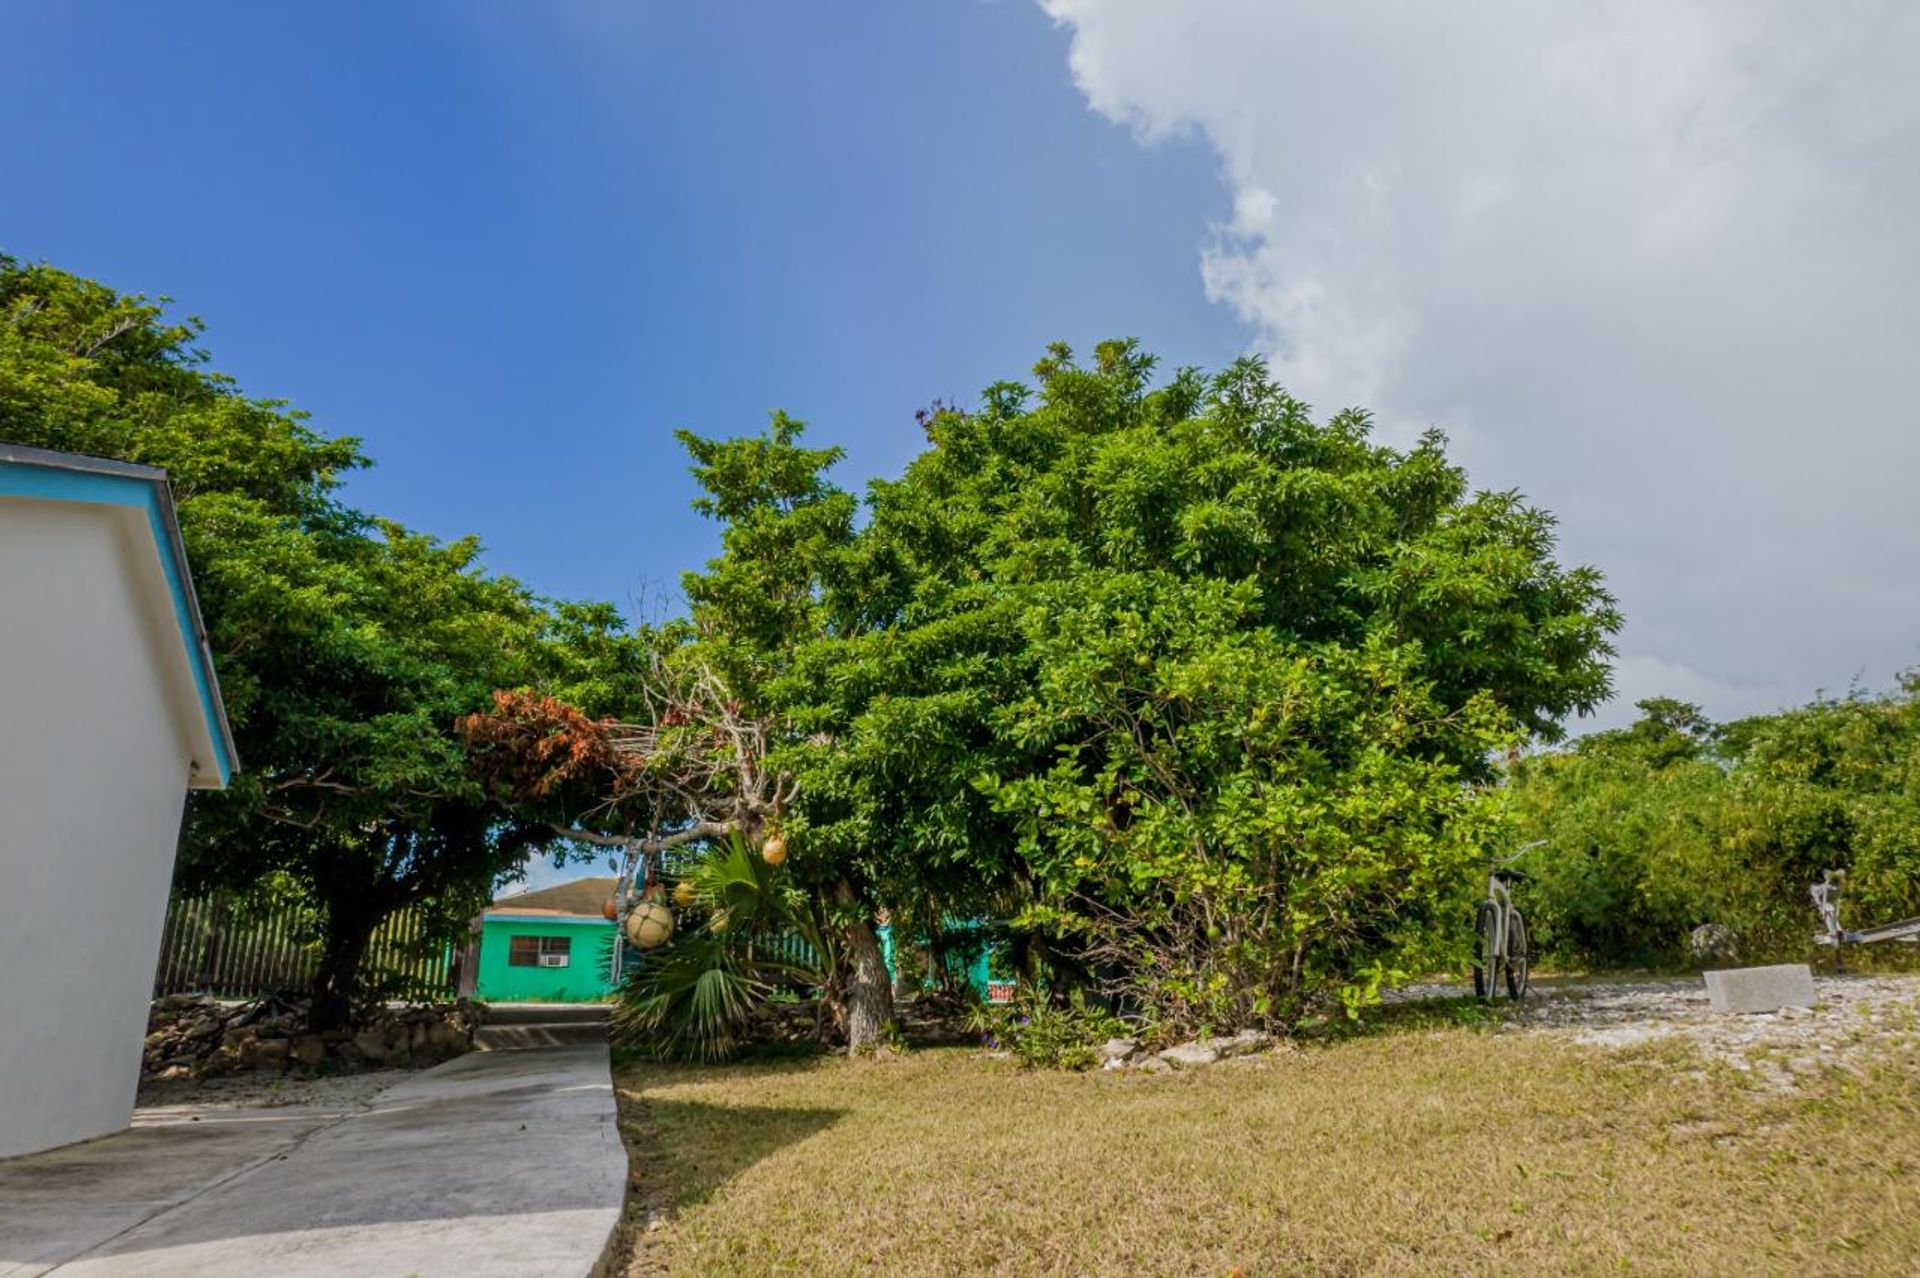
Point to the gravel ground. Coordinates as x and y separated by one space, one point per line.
265 1091
1858 1018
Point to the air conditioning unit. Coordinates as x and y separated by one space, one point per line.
553 960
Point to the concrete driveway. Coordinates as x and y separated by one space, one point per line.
495 1164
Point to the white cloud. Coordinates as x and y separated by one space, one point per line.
1656 264
1638 677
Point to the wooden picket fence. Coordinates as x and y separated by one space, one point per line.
786 947
210 946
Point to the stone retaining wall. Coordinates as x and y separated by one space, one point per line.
199 1037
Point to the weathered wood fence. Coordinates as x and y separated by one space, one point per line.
211 946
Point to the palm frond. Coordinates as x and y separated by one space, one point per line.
693 998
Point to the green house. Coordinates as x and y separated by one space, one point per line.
551 946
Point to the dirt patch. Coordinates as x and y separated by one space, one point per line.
1858 1019
641 1245
265 1091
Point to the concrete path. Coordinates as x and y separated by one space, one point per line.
493 1165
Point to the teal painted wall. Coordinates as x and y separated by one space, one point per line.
976 966
583 980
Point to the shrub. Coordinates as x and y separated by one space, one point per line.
693 999
1043 1033
1674 822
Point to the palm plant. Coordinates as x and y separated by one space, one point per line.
693 998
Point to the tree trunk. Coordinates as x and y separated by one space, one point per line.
903 985
349 931
869 993
1022 958
937 964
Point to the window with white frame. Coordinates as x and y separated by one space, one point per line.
539 951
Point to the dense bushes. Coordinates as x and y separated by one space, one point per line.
1196 691
1656 829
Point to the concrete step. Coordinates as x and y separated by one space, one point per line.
514 1038
547 1013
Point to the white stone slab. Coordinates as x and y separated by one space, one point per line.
1761 989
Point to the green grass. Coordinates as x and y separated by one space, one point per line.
1448 1150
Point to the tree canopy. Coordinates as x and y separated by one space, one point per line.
346 645
1197 686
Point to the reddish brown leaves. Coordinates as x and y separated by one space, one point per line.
539 747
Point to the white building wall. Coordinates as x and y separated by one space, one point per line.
92 779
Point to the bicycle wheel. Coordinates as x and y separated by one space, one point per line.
1486 958
1519 966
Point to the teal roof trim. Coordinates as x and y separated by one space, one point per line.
51 476
584 919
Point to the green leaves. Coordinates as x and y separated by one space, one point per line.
750 931
1676 821
346 646
1199 684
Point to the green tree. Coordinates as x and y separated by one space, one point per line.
703 750
346 646
773 593
361 653
1835 784
1203 689
1635 826
1654 829
1205 683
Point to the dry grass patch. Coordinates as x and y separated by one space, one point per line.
1446 1151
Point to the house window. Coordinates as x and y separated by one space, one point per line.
539 951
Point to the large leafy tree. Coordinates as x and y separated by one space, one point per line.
711 748
1206 682
346 646
787 558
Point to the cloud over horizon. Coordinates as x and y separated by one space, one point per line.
1654 264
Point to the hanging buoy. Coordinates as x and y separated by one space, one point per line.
683 894
611 907
774 850
650 925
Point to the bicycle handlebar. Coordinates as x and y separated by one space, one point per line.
1517 853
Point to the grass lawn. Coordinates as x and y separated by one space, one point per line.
1436 1151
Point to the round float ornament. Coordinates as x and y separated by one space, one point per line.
684 895
611 907
774 850
650 925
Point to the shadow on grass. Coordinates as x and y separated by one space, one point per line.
691 1148
698 1148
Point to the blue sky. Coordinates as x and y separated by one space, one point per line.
514 246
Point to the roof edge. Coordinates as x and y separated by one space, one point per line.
542 916
84 463
164 521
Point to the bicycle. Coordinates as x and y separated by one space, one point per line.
1500 933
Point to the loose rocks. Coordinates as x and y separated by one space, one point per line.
1713 943
200 1037
1189 1055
